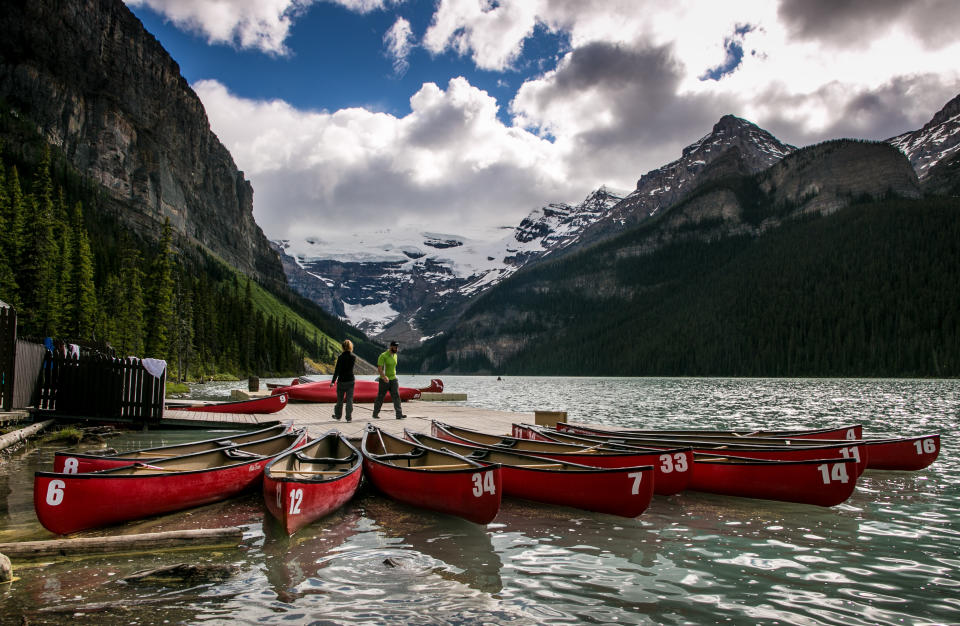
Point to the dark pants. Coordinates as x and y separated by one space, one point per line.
344 393
394 388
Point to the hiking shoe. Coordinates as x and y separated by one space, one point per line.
336 417
401 417
375 416
349 420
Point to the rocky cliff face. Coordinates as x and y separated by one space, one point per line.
102 89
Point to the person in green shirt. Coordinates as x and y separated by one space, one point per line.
387 368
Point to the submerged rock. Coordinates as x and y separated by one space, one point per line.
6 569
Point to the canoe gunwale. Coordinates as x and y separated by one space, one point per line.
113 472
356 463
574 468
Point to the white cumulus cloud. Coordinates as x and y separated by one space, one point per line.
450 163
259 24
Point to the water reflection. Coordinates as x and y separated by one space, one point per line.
887 555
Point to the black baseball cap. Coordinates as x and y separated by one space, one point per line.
394 343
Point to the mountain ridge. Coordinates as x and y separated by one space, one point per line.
104 91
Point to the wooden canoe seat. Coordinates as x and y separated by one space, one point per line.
326 459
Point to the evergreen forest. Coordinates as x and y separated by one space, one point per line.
871 290
74 273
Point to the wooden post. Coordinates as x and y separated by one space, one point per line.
124 543
549 418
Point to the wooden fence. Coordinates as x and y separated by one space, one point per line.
29 364
8 353
101 387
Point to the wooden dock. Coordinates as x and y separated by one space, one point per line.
318 418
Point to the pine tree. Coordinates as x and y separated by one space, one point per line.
182 339
125 297
159 297
14 218
80 298
8 280
39 257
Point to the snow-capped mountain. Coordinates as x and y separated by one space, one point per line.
745 148
407 283
936 142
410 285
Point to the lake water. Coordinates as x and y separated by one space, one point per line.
888 555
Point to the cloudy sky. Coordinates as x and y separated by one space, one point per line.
461 115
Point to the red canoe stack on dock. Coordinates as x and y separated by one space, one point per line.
363 391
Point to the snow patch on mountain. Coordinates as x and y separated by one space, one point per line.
387 274
371 317
939 139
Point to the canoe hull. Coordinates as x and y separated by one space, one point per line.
472 493
818 482
458 492
623 491
256 406
363 391
298 501
910 454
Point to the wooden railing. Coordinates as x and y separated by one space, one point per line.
101 387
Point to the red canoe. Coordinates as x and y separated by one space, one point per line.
623 491
900 453
671 468
439 481
823 482
363 391
68 503
305 484
768 449
260 406
847 432
820 481
77 462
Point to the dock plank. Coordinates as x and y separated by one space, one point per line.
318 418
